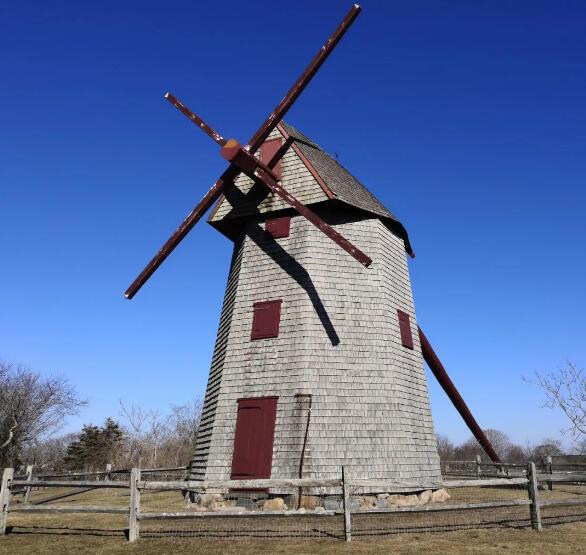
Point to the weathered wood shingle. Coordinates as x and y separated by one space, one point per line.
339 340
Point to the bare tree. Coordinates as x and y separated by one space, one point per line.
161 440
445 448
566 389
498 439
31 408
136 418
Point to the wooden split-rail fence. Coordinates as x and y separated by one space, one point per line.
136 485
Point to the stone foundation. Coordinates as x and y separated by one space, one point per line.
313 503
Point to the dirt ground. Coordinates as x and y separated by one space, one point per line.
485 531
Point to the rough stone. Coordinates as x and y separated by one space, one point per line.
310 502
425 496
211 500
382 503
291 500
367 501
440 496
276 504
332 504
319 509
404 500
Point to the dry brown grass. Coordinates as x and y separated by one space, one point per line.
497 532
105 538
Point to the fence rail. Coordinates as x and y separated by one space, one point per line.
136 485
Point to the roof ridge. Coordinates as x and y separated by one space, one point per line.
344 186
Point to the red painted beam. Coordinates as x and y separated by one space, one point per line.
442 377
237 155
283 107
253 145
196 119
234 152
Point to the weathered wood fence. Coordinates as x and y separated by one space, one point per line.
480 469
136 485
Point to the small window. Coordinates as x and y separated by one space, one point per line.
405 327
266 318
278 227
268 150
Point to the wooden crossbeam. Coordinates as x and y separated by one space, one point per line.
253 145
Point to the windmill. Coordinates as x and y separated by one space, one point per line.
318 359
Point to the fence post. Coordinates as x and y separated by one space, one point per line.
5 498
550 471
347 518
29 477
478 466
133 521
533 496
107 477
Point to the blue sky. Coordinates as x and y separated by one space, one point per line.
467 120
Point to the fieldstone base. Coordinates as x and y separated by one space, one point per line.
317 503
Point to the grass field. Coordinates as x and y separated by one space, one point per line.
495 530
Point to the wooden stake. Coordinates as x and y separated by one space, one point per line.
533 496
133 514
347 518
550 471
478 469
29 477
5 498
107 476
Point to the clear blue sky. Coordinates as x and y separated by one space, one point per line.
466 119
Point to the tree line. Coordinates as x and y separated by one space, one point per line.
34 408
504 447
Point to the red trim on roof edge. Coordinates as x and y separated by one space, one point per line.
311 169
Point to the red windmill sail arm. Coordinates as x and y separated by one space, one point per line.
442 377
236 154
253 145
283 107
196 119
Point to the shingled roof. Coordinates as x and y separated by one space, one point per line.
341 183
337 183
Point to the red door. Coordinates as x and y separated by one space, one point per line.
253 444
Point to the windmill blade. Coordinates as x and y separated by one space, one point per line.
283 107
253 145
215 136
248 164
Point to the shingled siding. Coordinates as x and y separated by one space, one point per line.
199 461
339 340
296 179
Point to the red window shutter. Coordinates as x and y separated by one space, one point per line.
278 227
268 150
266 318
405 327
253 441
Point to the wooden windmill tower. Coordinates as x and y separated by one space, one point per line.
318 359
